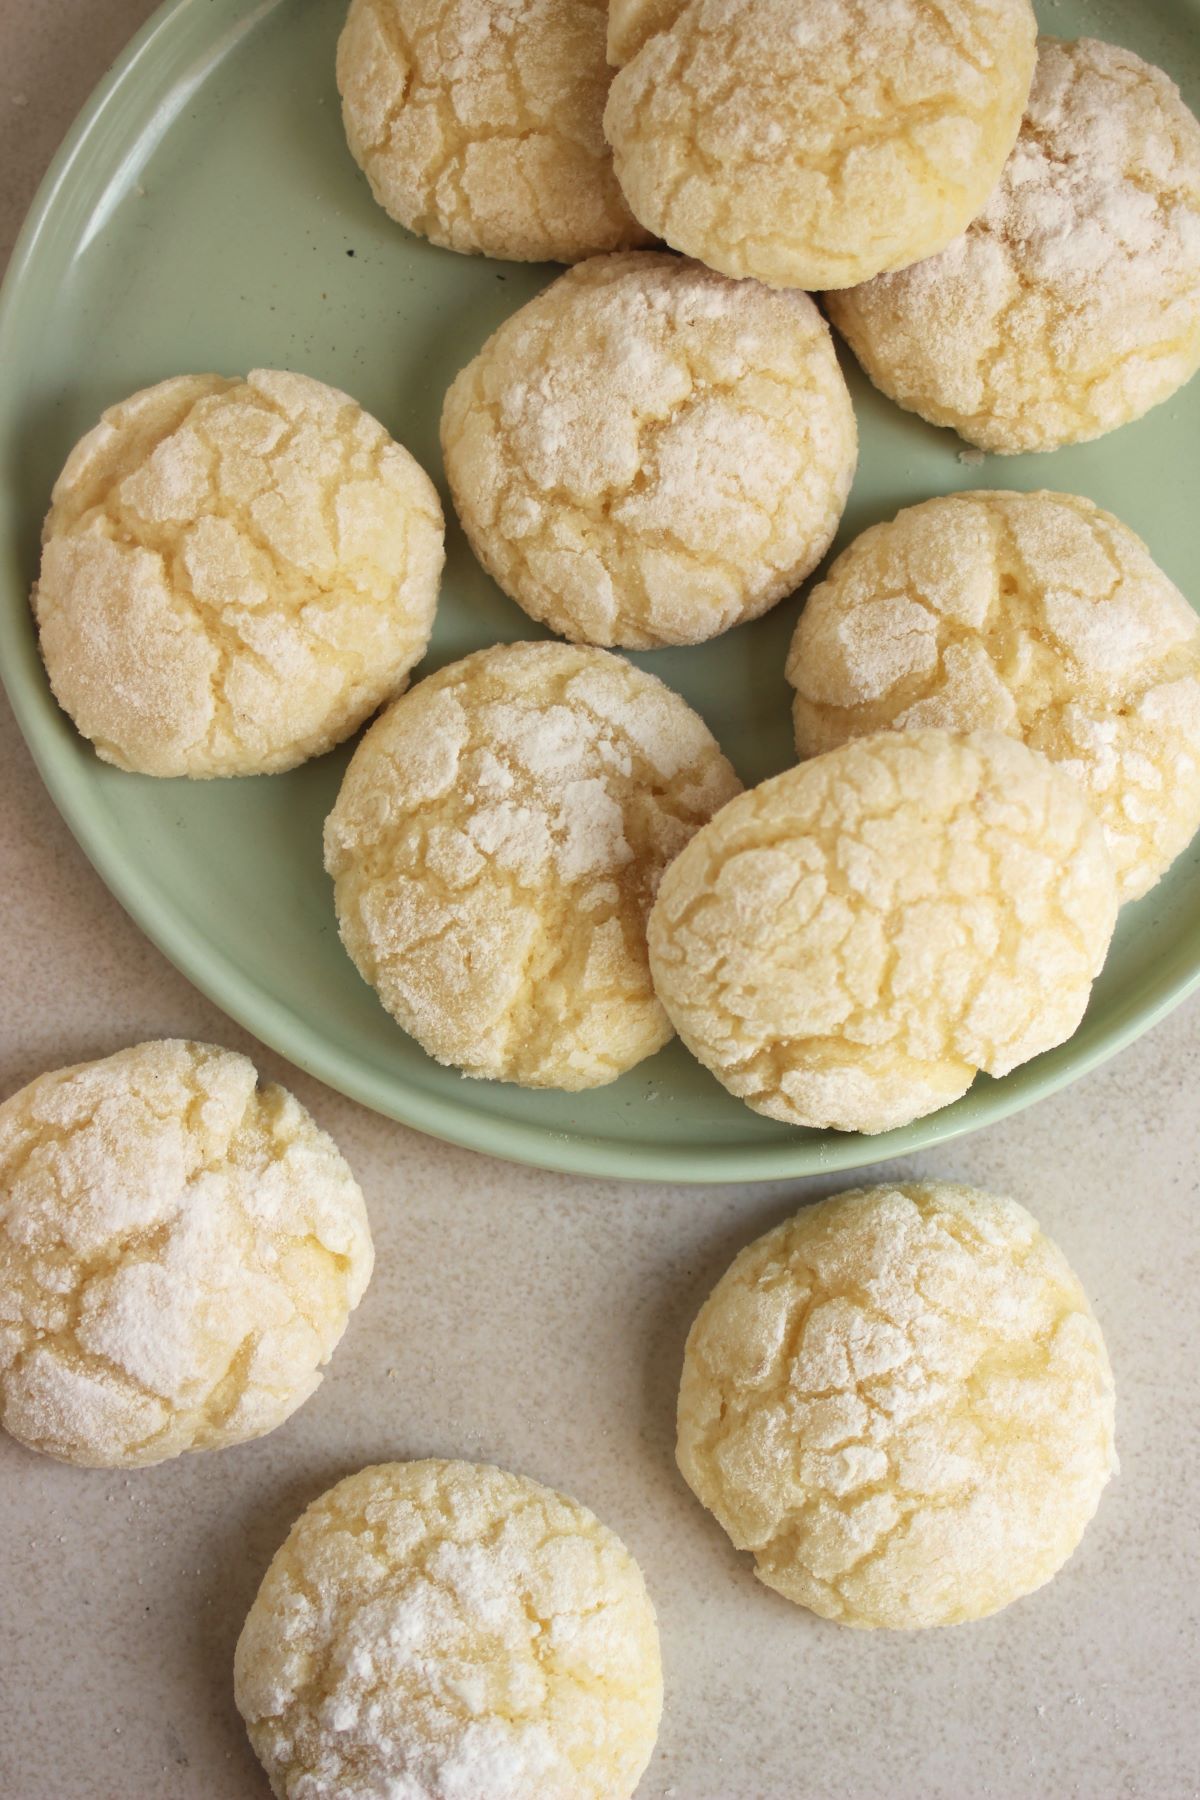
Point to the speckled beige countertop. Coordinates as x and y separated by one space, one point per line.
539 1321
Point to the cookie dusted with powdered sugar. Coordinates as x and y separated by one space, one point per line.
438 1629
847 945
496 846
1071 305
180 1251
814 143
478 123
1035 614
235 574
901 1403
648 453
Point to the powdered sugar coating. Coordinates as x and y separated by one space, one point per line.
1035 614
813 143
1071 305
647 453
448 1631
496 846
478 123
235 574
180 1251
901 1402
848 944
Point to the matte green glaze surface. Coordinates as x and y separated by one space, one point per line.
205 214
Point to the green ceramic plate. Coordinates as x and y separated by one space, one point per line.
204 214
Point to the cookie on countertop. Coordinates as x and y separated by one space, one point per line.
180 1251
431 1629
814 143
496 847
901 1403
1071 305
849 944
478 123
1035 614
648 453
235 574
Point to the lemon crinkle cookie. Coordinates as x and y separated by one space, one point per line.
901 1403
1035 614
848 944
180 1251
814 143
479 123
438 1629
235 574
648 453
495 849
1071 305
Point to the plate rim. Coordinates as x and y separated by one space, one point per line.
285 1030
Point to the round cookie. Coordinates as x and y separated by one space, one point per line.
647 453
847 945
478 123
235 574
1071 305
180 1251
1035 614
901 1402
438 1629
814 143
495 849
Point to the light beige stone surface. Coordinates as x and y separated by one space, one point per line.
123 1594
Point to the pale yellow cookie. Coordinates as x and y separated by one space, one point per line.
180 1251
814 143
901 1403
447 1631
848 944
1072 304
479 123
1036 614
495 849
648 453
235 574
